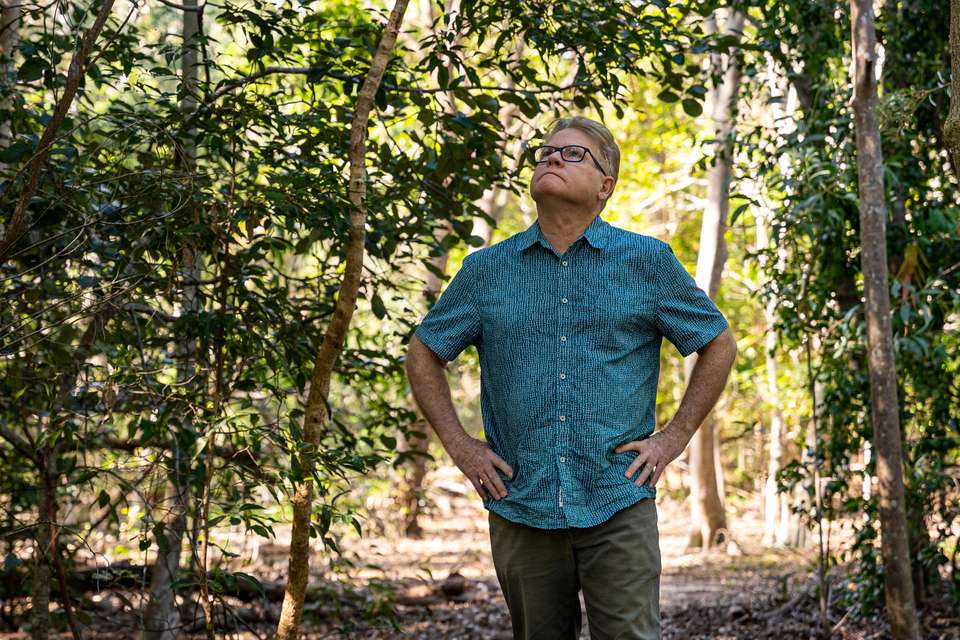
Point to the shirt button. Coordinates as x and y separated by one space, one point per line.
562 459
563 338
564 263
563 300
563 376
562 418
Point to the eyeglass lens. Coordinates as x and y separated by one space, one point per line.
569 153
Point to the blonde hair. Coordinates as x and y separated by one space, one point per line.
606 145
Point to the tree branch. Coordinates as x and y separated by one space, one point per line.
181 7
18 221
19 444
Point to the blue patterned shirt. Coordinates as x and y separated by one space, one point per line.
569 349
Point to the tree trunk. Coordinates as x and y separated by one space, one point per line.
706 499
416 469
43 553
774 502
788 528
47 461
883 378
315 415
162 617
9 39
951 127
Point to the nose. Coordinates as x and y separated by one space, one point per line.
555 159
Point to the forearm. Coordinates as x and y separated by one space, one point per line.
707 381
428 381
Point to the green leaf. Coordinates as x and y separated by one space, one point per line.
376 304
31 69
692 107
668 96
739 210
15 152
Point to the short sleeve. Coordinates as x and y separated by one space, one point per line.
453 323
685 314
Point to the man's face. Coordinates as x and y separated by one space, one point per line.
579 183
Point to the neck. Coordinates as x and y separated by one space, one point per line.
562 225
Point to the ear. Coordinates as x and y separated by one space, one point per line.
606 188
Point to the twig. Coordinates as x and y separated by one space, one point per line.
181 7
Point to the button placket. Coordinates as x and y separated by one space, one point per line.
563 362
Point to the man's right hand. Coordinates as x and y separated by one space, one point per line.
479 463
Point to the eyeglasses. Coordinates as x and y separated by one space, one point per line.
570 153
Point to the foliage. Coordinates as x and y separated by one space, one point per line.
813 263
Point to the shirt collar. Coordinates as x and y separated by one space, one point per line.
596 234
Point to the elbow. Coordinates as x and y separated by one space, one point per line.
411 357
721 348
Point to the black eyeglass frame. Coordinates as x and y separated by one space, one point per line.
534 150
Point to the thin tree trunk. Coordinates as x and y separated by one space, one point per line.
315 416
9 39
416 468
162 617
788 528
40 594
773 531
883 377
47 552
415 474
775 504
951 126
706 500
19 222
818 414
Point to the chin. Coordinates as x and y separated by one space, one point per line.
545 191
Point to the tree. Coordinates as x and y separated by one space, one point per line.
706 495
316 414
9 38
951 127
161 618
883 373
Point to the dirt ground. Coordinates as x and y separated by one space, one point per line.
745 591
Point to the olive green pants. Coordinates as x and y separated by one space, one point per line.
615 563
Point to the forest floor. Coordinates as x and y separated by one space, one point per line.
384 586
746 590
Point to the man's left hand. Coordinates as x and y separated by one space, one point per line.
655 453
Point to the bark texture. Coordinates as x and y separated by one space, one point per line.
951 126
9 39
706 494
316 416
898 584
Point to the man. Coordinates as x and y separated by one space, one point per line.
567 318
